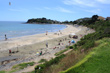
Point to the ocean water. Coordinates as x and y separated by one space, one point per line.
18 29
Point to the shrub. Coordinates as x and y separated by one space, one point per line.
61 52
42 60
75 46
48 63
89 44
2 72
23 65
70 47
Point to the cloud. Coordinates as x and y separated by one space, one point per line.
96 11
88 3
104 1
63 10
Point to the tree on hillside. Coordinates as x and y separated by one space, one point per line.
94 18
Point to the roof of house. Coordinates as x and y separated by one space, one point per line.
101 18
108 18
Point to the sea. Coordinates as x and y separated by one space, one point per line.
14 29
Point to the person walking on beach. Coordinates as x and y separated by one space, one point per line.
9 52
59 43
47 45
60 32
5 37
69 43
46 32
41 53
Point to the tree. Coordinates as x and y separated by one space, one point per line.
94 18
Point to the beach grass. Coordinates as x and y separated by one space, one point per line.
23 65
97 61
69 60
12 71
19 67
61 52
42 60
47 64
2 72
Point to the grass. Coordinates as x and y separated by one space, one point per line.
47 64
23 65
97 61
2 72
42 60
61 52
19 67
69 60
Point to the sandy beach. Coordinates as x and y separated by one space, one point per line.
32 39
29 45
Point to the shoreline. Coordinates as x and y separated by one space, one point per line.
21 29
30 39
12 38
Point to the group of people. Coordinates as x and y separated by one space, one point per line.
39 53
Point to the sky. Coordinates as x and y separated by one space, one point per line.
61 10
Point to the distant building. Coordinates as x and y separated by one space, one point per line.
108 18
101 18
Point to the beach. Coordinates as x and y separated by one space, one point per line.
28 46
32 39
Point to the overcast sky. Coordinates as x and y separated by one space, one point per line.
22 10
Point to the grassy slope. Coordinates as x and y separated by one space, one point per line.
18 67
97 61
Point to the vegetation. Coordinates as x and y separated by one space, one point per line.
19 67
61 52
42 60
97 61
69 60
47 21
2 72
102 30
23 65
43 21
47 64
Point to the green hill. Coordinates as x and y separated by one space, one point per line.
97 61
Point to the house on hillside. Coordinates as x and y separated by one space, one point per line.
101 18
108 18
